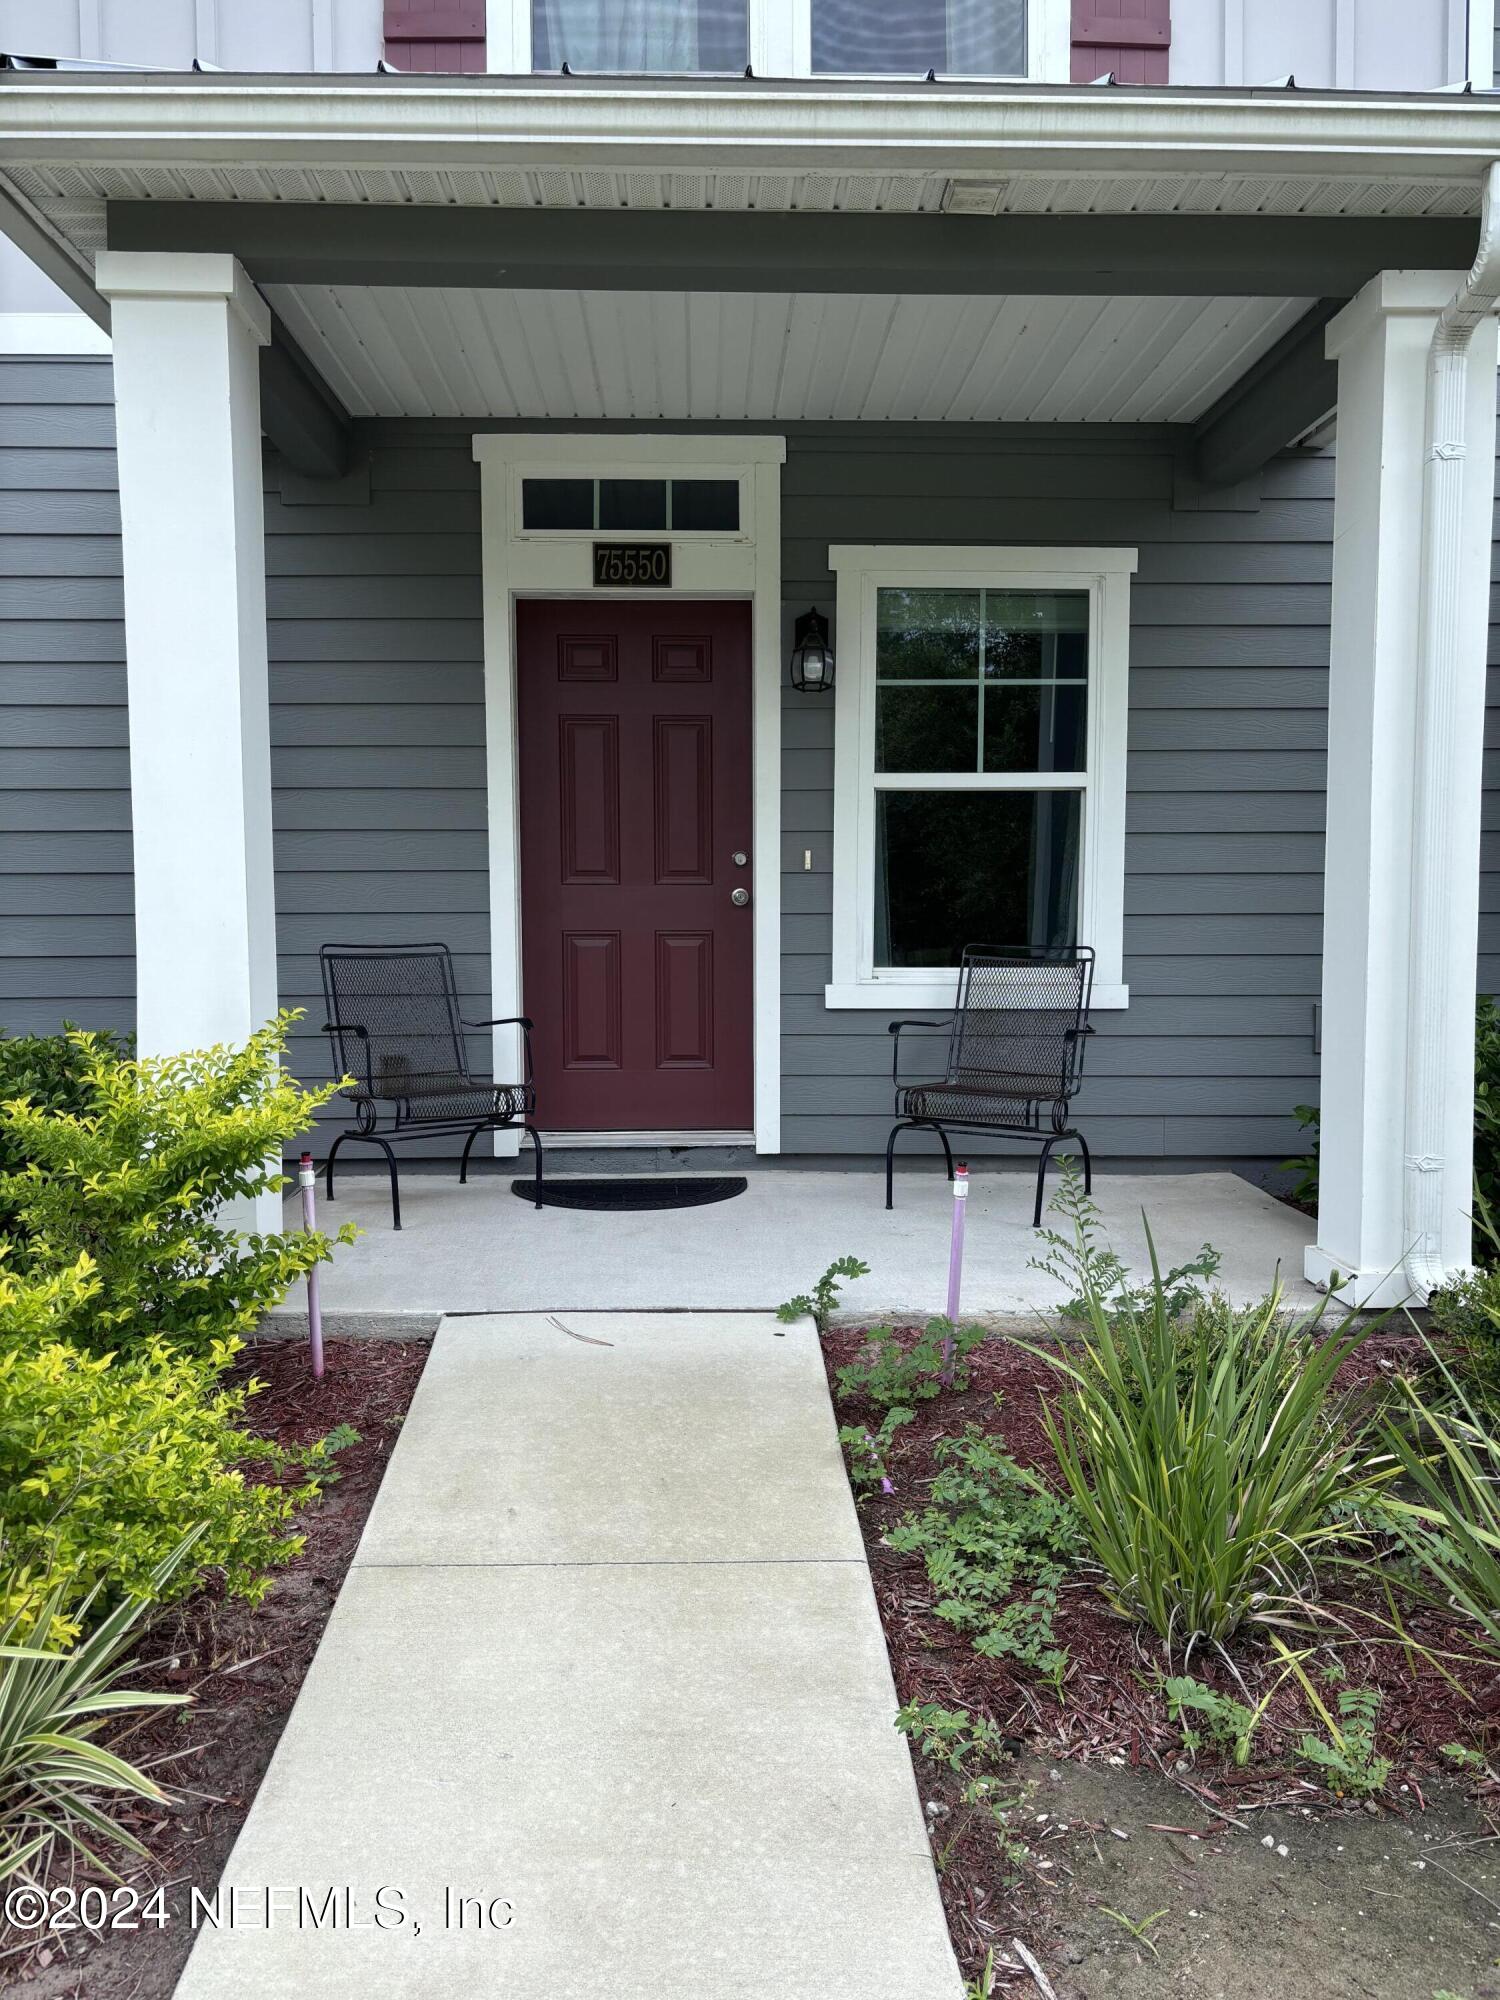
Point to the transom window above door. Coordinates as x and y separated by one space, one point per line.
979 777
552 505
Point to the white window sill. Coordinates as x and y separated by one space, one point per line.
894 997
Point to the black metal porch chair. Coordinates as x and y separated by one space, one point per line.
1015 1056
394 1023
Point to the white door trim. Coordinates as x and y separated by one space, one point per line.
746 566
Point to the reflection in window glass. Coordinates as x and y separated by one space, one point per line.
910 37
1036 634
923 635
958 868
640 37
981 680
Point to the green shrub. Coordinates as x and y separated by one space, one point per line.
1205 1479
994 1530
136 1182
1486 1120
1304 1166
53 1072
107 1461
1348 1760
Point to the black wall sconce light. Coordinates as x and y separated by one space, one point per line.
812 654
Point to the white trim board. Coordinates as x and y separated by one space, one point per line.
1105 573
746 566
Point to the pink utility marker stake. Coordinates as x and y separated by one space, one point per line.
955 1262
307 1180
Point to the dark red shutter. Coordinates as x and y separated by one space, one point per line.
435 34
1130 37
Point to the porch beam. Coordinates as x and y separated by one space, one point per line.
298 412
293 243
1292 387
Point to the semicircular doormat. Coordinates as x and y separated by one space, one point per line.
633 1191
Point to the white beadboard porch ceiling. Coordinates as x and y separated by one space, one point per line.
389 351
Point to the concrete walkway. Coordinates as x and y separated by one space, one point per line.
478 1248
609 1652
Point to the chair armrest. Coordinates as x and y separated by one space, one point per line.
1073 1034
346 1028
893 1029
521 1021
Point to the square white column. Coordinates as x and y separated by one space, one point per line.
187 332
1381 342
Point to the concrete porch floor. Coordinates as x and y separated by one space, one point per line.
480 1249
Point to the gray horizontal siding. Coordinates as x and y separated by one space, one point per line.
66 908
378 734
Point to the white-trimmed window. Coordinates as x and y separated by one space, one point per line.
986 39
979 776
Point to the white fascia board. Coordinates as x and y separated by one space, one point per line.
982 131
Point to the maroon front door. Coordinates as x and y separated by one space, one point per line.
634 727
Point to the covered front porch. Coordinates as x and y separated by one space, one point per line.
480 1248
1009 344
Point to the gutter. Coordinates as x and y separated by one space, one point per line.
400 123
1432 916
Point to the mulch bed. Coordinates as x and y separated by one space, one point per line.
1109 1709
243 1666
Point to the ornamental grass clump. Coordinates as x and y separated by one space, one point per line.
1214 1468
55 1776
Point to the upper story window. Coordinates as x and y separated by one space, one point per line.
640 37
910 37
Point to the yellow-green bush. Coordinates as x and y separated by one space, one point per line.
137 1183
108 1460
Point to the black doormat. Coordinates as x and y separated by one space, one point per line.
624 1191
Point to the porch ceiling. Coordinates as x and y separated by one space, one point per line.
394 351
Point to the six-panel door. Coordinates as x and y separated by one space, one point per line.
633 724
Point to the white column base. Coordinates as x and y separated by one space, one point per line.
1362 1291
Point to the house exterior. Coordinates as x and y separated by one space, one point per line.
413 481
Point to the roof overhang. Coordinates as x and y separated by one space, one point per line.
734 185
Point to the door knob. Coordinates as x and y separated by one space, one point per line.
739 897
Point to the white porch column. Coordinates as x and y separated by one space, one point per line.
187 330
1378 877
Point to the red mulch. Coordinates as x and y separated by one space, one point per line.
242 1664
1109 1706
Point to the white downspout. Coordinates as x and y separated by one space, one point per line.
1429 974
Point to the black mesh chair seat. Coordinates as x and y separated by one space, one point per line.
451 1099
399 1038
1016 1040
963 1103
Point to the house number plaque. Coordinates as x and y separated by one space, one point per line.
632 565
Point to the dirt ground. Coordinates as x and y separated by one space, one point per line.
243 1667
1362 1906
